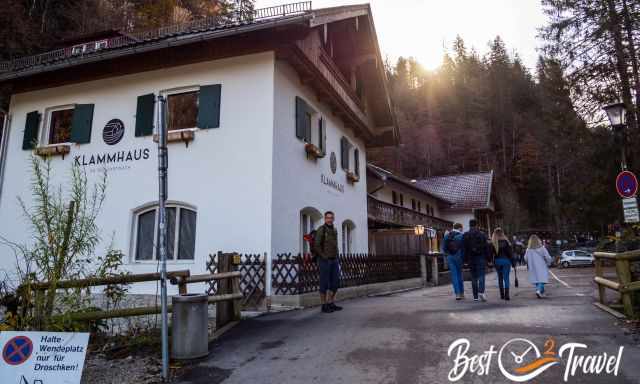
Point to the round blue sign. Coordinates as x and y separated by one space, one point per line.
17 350
626 184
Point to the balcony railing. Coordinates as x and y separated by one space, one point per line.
201 25
392 214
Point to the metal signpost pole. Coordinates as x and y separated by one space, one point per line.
162 226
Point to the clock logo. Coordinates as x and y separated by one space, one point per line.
334 162
113 132
520 360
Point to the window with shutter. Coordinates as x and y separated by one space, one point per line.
32 123
322 135
304 113
209 106
344 153
144 115
81 123
356 161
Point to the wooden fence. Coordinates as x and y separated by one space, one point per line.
253 274
36 292
624 284
293 274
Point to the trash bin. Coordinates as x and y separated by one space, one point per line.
190 323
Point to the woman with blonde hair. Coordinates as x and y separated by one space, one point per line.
502 255
538 260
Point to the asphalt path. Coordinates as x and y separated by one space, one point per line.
405 338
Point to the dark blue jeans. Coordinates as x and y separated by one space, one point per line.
477 276
503 267
329 275
455 268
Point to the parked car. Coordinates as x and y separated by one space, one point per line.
576 257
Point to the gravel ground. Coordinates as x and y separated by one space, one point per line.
99 369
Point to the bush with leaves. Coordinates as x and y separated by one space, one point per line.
64 237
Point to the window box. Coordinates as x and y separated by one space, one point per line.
313 152
182 135
352 177
54 150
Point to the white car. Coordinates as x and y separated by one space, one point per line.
576 257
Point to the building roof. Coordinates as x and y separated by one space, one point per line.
384 175
172 35
465 191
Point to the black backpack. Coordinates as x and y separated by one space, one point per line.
451 246
477 243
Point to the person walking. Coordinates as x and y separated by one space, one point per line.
538 260
503 259
475 252
453 247
326 248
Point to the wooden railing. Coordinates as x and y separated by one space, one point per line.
624 284
392 214
35 292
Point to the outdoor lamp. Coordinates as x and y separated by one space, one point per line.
419 230
616 113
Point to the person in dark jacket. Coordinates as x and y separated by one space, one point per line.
453 248
502 256
475 253
326 248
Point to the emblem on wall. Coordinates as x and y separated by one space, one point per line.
334 162
113 132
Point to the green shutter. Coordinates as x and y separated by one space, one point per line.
144 115
344 153
81 123
301 118
209 106
31 130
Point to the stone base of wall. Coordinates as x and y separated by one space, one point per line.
312 299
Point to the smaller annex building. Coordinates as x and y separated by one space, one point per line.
470 197
269 115
396 207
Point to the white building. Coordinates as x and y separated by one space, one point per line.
245 102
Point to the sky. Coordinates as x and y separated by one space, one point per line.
424 28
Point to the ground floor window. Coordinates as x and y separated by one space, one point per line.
181 233
348 228
310 219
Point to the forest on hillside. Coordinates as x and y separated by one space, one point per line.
541 131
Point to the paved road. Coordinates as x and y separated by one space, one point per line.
403 338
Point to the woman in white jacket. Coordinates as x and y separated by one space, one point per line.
538 260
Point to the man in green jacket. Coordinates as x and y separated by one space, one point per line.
326 248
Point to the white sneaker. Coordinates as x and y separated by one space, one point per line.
539 294
483 297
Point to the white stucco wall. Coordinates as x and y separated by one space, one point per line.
462 217
297 180
226 173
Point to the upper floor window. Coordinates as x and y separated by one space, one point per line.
413 204
182 110
60 121
394 197
401 200
181 233
306 119
419 206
